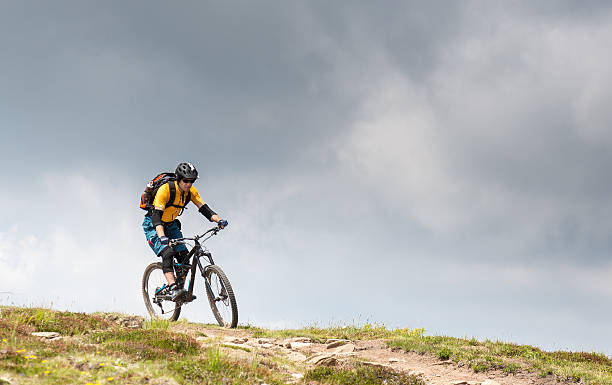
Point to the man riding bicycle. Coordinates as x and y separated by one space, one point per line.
160 223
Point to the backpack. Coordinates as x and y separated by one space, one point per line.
147 197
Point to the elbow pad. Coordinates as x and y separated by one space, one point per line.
156 216
207 212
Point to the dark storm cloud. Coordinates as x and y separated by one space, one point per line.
222 77
234 79
236 87
460 148
140 83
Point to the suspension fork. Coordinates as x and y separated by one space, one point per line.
203 271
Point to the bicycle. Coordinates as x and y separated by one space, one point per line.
218 288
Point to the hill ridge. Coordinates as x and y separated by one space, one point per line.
117 348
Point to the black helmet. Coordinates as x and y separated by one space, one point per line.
186 170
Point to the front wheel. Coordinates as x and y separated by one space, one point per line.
221 297
156 296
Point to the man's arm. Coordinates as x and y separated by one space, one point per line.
156 219
160 231
213 216
162 198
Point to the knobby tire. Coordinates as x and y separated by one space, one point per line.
153 308
233 307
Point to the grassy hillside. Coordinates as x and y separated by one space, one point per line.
95 349
582 367
119 349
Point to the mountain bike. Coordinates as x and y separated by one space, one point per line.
218 288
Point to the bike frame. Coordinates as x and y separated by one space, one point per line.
197 252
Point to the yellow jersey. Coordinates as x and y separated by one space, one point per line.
170 211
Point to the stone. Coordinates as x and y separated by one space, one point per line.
392 360
298 339
296 356
235 340
327 361
376 364
300 345
47 335
297 376
318 358
459 382
445 362
490 382
347 348
337 343
231 344
416 373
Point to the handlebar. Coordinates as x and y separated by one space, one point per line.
179 241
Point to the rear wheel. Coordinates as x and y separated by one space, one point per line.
221 297
156 296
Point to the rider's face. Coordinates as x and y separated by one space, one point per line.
185 184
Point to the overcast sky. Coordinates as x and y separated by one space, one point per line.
433 164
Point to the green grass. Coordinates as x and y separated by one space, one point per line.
96 349
348 332
214 359
224 371
236 347
360 375
157 324
146 344
593 368
112 354
46 320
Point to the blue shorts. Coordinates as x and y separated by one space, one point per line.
171 230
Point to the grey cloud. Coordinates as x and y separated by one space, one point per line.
229 77
384 143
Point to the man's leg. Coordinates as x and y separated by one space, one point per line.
165 252
167 256
173 231
170 278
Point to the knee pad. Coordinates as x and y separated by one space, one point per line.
182 256
167 256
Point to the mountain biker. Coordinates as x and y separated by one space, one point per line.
160 224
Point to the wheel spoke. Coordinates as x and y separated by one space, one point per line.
221 297
156 298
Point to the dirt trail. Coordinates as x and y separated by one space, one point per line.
296 355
